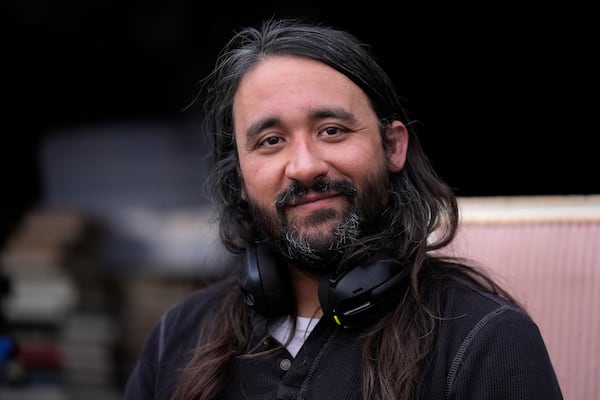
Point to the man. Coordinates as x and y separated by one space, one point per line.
322 187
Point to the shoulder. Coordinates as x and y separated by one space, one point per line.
179 324
171 342
485 343
470 315
472 304
186 316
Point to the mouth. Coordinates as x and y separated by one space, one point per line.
321 194
314 201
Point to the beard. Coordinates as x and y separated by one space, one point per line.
316 243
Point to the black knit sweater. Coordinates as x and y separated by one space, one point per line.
486 349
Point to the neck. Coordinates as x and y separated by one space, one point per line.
306 293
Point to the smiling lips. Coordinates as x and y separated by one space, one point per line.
313 200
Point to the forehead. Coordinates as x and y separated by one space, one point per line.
283 83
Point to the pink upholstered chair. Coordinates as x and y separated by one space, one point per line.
546 251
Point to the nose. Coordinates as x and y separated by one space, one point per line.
306 162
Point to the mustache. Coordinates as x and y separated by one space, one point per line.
320 185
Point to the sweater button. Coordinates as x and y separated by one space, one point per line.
285 364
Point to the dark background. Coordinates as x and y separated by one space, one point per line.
506 93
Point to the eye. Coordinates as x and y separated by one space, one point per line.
269 141
331 131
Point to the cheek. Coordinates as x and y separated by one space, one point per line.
360 162
259 183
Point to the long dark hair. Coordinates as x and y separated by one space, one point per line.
422 215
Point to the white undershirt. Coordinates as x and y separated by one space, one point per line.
281 331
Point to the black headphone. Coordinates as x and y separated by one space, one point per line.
349 299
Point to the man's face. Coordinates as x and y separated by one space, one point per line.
310 153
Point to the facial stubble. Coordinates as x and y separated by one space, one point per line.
314 248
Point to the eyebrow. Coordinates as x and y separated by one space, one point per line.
337 113
265 123
255 128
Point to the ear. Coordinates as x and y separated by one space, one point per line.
397 139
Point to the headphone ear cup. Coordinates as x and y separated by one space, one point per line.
265 286
358 295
